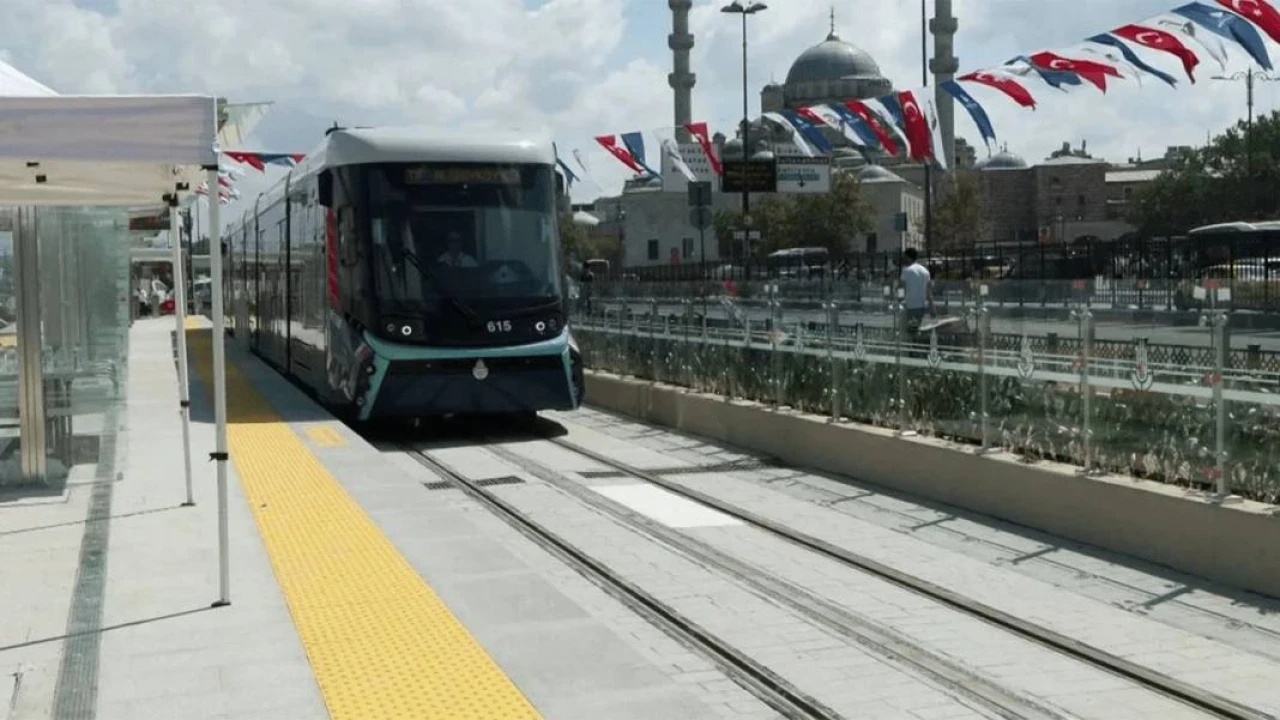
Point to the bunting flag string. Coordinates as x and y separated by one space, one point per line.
259 161
905 122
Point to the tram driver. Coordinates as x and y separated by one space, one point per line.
454 256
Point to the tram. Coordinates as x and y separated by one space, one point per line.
405 273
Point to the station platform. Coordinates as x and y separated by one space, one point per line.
371 579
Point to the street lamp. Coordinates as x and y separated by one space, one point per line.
1248 78
744 10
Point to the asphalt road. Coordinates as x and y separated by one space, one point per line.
1157 332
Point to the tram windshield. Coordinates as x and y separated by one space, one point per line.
477 236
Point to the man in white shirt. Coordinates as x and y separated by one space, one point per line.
454 257
917 296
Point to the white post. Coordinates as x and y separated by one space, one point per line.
180 315
219 390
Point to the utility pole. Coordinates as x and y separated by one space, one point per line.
1249 77
737 8
928 168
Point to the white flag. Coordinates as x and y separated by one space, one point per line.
672 151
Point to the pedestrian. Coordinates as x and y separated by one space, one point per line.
917 292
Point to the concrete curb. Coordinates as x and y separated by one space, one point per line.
1237 545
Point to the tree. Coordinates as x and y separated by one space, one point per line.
575 244
1217 183
828 220
958 216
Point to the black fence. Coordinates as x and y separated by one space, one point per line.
1139 272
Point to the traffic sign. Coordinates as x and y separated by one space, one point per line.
699 194
701 217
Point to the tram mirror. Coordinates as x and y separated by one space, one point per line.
324 188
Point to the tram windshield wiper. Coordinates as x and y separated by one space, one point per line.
467 312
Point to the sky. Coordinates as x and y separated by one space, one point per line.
580 68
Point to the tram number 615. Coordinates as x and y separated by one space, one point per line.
499 326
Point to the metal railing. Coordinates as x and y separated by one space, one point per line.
1196 412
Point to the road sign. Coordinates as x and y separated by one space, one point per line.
699 194
701 217
800 174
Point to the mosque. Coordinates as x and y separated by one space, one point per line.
655 227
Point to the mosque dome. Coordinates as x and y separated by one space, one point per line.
1003 160
878 173
834 70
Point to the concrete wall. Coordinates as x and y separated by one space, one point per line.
1236 545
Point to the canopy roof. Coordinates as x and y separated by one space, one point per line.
99 149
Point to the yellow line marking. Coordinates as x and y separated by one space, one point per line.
381 643
325 436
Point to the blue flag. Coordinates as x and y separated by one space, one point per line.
634 142
1230 26
1132 58
569 177
894 107
808 130
975 109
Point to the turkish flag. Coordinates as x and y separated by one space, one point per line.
1094 72
610 143
1006 85
919 138
1161 40
1258 12
868 117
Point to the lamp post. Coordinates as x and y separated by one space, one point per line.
928 169
736 7
1249 78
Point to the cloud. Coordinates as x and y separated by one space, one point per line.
579 67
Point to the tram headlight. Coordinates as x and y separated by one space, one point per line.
401 328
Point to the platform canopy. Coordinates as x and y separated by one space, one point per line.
66 150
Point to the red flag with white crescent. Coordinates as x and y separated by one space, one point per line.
610 143
860 109
1006 85
919 138
1259 12
703 136
1161 40
1094 72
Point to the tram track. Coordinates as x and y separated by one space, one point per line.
760 681
999 699
1141 596
966 687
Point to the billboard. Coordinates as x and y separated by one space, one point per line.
799 174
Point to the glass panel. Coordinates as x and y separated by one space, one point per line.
85 296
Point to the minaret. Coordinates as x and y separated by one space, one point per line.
681 79
944 66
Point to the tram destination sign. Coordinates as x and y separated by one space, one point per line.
461 175
749 176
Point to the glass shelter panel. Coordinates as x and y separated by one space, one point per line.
67 286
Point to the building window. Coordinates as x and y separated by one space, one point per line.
687 248
1080 200
1128 192
653 249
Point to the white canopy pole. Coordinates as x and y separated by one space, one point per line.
180 314
219 388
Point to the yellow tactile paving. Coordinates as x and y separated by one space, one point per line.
325 436
381 643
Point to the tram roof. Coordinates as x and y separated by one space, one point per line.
356 146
